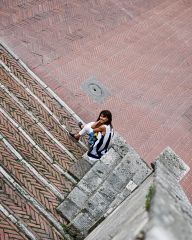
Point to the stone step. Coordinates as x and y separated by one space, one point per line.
111 179
32 156
39 163
40 111
28 215
51 127
34 133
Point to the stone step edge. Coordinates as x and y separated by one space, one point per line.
46 88
35 203
73 208
30 114
175 165
111 159
43 128
56 166
19 224
92 217
171 163
130 187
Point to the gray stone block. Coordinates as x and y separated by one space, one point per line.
83 222
111 158
130 187
176 166
137 169
108 192
159 233
164 178
119 145
170 209
123 172
78 197
166 213
90 182
103 167
116 182
97 205
68 209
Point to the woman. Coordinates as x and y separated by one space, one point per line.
100 135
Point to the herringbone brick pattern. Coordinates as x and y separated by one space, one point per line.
36 152
27 180
9 231
31 104
63 116
27 213
25 148
139 50
34 131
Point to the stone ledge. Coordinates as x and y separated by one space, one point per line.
170 211
119 145
174 164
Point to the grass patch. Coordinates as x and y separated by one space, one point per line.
65 228
149 196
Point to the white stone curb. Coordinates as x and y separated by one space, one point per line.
57 166
30 199
44 86
18 223
53 189
40 124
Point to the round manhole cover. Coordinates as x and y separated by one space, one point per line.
95 89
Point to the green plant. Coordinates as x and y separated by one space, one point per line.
149 196
65 228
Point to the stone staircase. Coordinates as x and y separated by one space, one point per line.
110 181
43 173
48 188
39 163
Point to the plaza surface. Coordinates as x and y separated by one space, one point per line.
138 51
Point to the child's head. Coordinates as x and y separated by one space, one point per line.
107 114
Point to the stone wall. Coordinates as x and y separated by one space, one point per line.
161 214
170 215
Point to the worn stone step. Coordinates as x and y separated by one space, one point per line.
32 103
13 228
111 179
34 133
59 109
38 189
21 208
32 156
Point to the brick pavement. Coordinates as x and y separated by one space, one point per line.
8 230
140 51
27 213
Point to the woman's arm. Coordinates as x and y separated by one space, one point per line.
96 124
101 129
